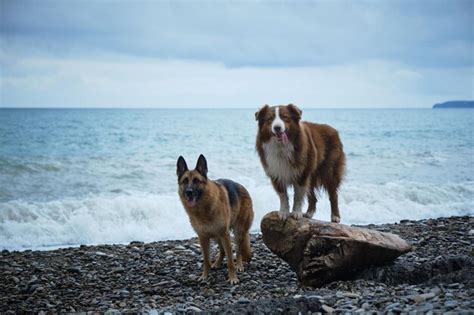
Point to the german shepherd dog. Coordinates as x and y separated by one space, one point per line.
214 208
301 154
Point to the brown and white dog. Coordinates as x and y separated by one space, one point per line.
301 154
214 209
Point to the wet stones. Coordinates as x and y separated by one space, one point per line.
146 280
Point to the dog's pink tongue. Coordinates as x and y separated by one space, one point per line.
191 202
284 138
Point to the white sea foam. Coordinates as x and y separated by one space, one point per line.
150 217
92 220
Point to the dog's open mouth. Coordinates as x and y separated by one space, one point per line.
191 201
282 137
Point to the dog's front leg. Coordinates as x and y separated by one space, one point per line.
300 192
230 260
284 204
217 263
205 242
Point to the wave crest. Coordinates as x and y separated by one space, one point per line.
112 218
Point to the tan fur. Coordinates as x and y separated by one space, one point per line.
316 161
213 217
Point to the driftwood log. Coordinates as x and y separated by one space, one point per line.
321 252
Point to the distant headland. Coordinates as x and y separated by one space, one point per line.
455 104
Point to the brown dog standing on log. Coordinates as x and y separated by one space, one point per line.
301 154
214 208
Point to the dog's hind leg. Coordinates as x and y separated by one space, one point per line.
220 256
243 249
312 200
241 231
333 198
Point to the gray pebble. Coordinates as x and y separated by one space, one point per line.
144 278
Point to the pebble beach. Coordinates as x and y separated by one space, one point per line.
161 277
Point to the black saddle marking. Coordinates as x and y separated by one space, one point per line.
232 190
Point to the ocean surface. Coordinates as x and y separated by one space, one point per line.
90 176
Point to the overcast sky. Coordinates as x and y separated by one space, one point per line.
235 54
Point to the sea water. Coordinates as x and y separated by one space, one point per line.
89 176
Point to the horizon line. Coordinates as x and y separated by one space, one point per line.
218 108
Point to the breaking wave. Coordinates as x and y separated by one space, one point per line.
136 216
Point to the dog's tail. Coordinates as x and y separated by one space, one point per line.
246 250
246 211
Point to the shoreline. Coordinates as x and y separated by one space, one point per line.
157 277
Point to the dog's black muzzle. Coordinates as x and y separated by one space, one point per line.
189 193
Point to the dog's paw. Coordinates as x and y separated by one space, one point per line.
233 280
308 215
297 215
239 268
283 215
203 277
335 218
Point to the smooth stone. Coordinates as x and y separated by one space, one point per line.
351 295
392 305
208 292
118 269
327 308
124 292
33 280
193 309
39 289
243 300
450 304
425 307
436 290
423 297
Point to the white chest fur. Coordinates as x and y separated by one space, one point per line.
278 157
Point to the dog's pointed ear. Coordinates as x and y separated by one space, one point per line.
295 111
181 167
201 166
261 112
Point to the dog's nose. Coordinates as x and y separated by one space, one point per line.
277 128
188 192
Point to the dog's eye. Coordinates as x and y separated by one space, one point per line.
185 181
195 181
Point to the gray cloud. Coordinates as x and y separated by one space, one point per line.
262 34
235 54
